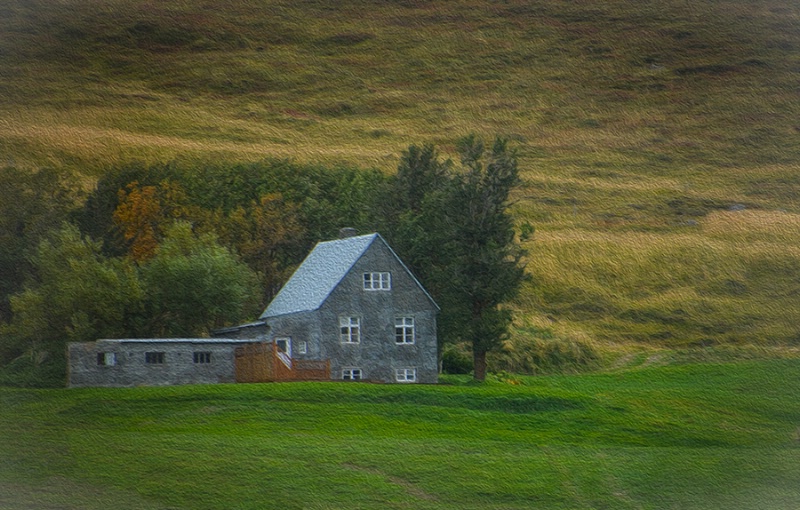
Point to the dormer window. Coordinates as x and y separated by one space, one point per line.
378 281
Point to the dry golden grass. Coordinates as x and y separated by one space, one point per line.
733 276
638 125
745 227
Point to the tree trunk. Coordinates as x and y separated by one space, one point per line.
479 358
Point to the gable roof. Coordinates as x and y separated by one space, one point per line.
321 272
318 275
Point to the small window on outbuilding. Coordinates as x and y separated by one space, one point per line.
107 359
202 357
302 347
154 358
284 345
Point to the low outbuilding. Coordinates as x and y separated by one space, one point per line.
153 361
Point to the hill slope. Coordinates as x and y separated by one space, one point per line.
639 125
640 86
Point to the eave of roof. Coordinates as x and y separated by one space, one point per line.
419 284
177 340
233 329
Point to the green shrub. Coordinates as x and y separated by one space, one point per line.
456 359
38 370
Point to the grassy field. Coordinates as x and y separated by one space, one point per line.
640 125
695 436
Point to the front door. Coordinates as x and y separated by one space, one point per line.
284 345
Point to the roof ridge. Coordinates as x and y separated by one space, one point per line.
346 239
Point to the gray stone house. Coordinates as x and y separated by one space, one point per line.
351 311
353 302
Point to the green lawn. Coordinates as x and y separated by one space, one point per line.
690 436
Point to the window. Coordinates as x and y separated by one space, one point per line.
350 328
154 358
351 374
404 330
108 359
202 357
284 345
377 281
405 374
302 348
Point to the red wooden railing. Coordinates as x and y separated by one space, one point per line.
262 362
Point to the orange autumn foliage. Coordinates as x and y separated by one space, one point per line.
144 212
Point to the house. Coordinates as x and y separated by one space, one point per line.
351 311
353 302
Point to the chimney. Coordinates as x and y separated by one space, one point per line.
346 232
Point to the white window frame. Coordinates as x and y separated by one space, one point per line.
350 330
405 375
352 374
106 359
302 347
405 330
378 280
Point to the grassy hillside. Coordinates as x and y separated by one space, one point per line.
639 125
690 437
642 88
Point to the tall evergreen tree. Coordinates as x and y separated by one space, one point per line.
485 260
31 204
453 228
412 211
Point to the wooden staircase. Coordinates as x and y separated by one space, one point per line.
263 362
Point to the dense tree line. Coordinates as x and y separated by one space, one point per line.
162 250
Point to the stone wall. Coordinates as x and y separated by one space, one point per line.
152 362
